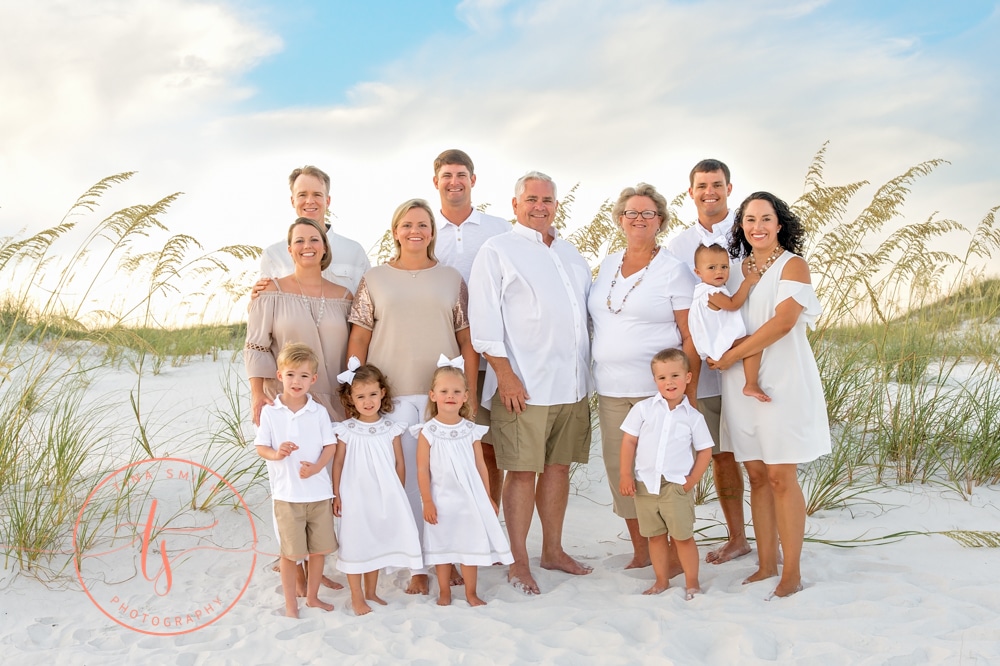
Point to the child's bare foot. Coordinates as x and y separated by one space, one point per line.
563 562
330 583
474 600
444 598
519 575
418 584
755 391
292 611
758 575
658 587
374 597
319 603
456 577
786 589
728 551
690 592
360 607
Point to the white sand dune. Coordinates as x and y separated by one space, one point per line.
922 599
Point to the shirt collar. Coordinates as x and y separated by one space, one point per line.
533 235
683 405
309 406
719 230
472 219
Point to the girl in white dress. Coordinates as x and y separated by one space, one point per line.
460 519
376 524
715 319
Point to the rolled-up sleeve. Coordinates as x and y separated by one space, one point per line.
485 298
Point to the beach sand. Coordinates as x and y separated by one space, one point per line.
920 599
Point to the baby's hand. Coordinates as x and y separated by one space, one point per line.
336 506
627 486
307 469
430 513
753 277
286 449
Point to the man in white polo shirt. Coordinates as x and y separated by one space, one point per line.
528 314
710 188
461 231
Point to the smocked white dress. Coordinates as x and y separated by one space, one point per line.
376 527
793 427
713 331
468 531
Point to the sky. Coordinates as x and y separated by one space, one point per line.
221 99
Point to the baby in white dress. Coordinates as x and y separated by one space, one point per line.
715 319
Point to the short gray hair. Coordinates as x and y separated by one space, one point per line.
521 183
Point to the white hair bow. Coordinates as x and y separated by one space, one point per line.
457 362
347 376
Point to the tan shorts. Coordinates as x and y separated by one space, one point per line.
540 435
711 409
671 512
305 528
611 412
483 414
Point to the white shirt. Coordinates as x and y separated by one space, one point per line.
683 246
310 430
458 244
625 342
665 440
528 303
348 265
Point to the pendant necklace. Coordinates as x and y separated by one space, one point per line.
305 299
618 273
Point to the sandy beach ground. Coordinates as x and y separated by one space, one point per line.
916 599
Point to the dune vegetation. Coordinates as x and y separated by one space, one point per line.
907 351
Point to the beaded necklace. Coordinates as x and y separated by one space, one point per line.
752 261
618 273
305 299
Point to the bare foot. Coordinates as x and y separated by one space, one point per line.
638 563
474 600
690 592
754 391
292 612
456 577
758 575
728 551
519 575
377 599
360 607
418 584
444 598
563 562
657 587
786 589
332 584
319 603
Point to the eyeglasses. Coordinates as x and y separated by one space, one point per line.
646 214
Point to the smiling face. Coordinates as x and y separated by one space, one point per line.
413 230
296 380
710 191
367 399
536 207
671 380
454 183
760 225
712 266
449 393
310 198
307 245
641 230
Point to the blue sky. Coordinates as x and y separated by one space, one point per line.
220 99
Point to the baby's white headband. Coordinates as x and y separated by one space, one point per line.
347 376
457 362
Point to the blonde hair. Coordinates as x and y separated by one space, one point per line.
297 353
465 411
401 212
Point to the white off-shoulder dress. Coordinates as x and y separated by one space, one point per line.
468 531
376 528
713 331
793 427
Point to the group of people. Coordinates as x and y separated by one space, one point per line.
685 373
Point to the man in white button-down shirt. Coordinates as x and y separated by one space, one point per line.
710 189
528 312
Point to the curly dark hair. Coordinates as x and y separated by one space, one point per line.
791 233
367 374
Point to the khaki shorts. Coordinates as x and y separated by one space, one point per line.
540 435
611 412
671 512
711 409
483 414
305 528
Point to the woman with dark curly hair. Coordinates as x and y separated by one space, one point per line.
772 438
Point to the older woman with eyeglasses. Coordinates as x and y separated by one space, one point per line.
638 305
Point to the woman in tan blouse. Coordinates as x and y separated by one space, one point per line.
301 307
407 313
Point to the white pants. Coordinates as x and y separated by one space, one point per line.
410 410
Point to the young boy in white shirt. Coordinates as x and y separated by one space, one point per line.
296 439
661 434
